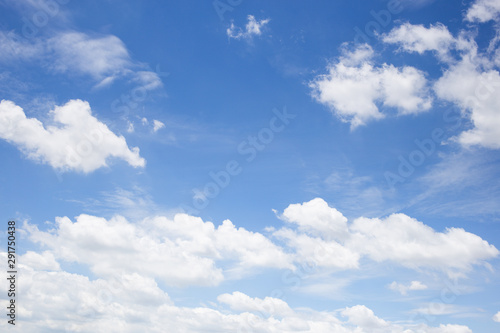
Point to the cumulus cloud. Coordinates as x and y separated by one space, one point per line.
240 302
252 28
129 302
356 90
363 317
477 92
130 261
397 238
417 38
483 11
207 255
470 79
40 261
317 218
496 317
403 289
75 140
319 252
157 244
412 244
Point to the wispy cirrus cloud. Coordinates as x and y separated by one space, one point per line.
103 58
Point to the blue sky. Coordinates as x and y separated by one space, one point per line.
237 166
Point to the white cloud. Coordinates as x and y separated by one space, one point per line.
403 289
470 81
252 28
317 218
130 302
76 140
355 90
417 38
122 248
157 125
320 226
40 261
438 309
157 244
402 239
465 85
240 302
207 255
319 252
496 317
363 317
449 329
129 259
483 11
397 238
103 58
99 57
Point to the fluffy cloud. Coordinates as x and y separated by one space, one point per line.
317 218
78 141
129 302
252 28
354 89
496 317
206 255
363 317
483 11
397 238
475 91
240 302
40 261
412 244
403 289
417 38
158 244
316 251
128 260
469 81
